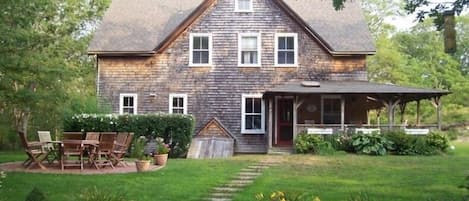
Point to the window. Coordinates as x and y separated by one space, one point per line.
128 104
200 49
178 103
331 109
243 5
286 49
249 46
252 120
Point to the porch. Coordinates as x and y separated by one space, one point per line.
328 107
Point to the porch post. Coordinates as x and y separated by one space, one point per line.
271 121
402 107
295 114
390 104
342 113
436 101
418 113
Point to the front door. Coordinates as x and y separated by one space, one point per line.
284 122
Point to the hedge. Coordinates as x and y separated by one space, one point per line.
175 129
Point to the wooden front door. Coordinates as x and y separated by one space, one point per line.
284 122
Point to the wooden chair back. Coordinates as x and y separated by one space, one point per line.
121 138
44 136
129 140
106 142
23 139
92 136
72 136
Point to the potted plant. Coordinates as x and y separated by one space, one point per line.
143 160
161 153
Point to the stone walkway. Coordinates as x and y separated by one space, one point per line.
244 178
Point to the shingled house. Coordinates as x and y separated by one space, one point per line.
266 69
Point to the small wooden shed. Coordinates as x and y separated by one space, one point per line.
212 141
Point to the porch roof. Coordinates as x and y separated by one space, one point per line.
358 87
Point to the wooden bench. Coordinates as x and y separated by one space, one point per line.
368 130
320 131
417 131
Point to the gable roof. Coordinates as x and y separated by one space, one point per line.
144 26
341 31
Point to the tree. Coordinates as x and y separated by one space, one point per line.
42 48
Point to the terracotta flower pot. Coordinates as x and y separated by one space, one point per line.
142 165
160 159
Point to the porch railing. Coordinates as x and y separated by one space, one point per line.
350 128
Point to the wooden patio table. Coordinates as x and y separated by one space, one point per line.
91 144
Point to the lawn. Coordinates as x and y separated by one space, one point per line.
332 178
380 178
179 180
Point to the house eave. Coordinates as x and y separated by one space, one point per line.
122 53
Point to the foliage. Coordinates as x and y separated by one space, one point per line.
340 141
175 129
100 195
437 141
138 150
2 177
36 195
307 143
371 144
43 62
403 144
161 147
465 186
285 196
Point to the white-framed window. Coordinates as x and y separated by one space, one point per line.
128 103
249 49
252 114
178 103
200 49
243 6
286 49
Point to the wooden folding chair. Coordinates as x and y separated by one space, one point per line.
105 149
90 149
71 148
92 136
44 137
73 136
122 145
34 152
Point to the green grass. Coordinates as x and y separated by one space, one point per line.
10 156
381 178
332 178
179 180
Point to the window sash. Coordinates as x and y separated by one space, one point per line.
178 103
286 49
249 49
128 104
252 114
200 49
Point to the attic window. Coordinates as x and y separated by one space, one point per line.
243 5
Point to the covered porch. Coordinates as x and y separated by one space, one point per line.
327 107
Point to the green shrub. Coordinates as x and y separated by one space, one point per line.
306 143
175 129
340 141
36 195
403 144
286 196
371 144
437 141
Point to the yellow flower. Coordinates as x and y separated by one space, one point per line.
316 199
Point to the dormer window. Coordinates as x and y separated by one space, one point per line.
243 5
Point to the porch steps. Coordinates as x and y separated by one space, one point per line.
281 150
244 178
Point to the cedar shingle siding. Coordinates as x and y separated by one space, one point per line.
216 91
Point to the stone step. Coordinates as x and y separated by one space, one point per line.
236 181
252 170
241 177
236 185
218 199
249 174
221 195
225 189
261 167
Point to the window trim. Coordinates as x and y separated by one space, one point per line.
191 48
243 115
121 102
295 48
244 11
259 49
170 103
